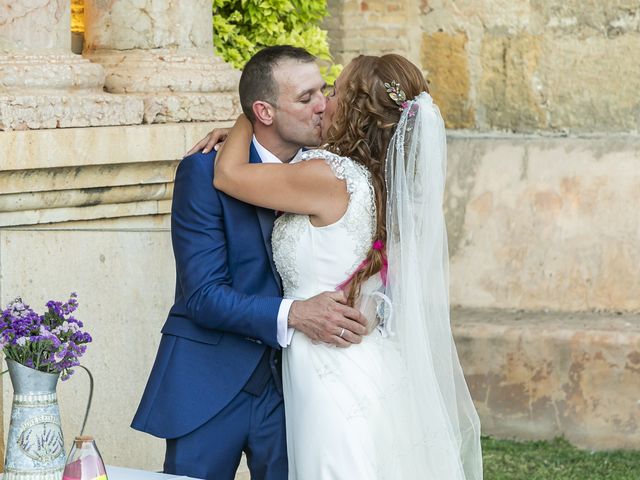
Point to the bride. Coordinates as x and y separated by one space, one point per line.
364 214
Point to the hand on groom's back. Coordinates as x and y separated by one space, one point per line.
326 318
212 141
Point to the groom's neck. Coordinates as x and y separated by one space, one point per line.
281 149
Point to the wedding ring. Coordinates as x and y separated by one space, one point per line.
341 333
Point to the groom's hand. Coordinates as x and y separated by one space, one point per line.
327 318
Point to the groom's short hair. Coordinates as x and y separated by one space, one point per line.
257 82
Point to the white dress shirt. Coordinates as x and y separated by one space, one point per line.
284 332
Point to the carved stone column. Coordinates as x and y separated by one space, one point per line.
162 51
44 85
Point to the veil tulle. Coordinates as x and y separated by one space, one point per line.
416 307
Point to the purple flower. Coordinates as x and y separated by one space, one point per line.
52 342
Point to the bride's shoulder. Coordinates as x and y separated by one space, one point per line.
342 167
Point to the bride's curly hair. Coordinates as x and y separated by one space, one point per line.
363 123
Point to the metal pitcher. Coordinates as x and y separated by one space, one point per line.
35 446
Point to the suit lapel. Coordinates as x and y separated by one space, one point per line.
266 217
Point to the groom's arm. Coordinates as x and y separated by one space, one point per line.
199 245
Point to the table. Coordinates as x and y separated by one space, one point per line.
122 473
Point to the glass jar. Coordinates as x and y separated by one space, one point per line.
84 461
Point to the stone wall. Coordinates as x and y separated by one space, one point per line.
544 223
541 66
538 220
543 238
86 210
154 60
544 171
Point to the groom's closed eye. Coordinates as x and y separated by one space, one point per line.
306 95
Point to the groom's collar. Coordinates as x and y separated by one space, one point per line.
265 155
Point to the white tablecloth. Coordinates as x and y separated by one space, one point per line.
121 473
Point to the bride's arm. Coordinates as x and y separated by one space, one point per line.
308 187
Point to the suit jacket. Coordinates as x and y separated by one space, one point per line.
226 304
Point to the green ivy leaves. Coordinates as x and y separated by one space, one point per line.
242 27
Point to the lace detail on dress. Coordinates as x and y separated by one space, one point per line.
337 164
284 240
354 230
360 217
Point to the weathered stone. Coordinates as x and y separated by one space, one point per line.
544 223
508 93
86 197
191 107
35 27
165 71
588 17
544 375
56 176
148 25
83 212
123 271
62 179
590 84
164 52
373 28
49 72
101 146
445 59
42 84
510 15
34 110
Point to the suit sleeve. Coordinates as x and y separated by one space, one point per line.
199 245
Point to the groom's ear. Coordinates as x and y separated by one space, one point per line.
264 112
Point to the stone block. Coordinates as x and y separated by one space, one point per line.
373 6
165 71
81 213
85 197
399 18
64 110
97 177
124 274
590 84
508 15
445 58
544 223
508 94
190 107
56 176
81 147
579 18
544 375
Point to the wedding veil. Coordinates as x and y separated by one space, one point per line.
417 287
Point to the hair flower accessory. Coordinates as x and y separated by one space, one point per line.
396 93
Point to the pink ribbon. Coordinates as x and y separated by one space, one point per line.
377 245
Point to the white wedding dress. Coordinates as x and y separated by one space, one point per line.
349 412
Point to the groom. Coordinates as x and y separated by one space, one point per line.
215 388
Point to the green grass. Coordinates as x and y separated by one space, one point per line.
555 460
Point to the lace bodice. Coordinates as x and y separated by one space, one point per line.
313 259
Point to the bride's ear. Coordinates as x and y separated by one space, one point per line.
263 112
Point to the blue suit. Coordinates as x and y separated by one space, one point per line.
220 330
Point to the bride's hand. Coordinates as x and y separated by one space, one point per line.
214 139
